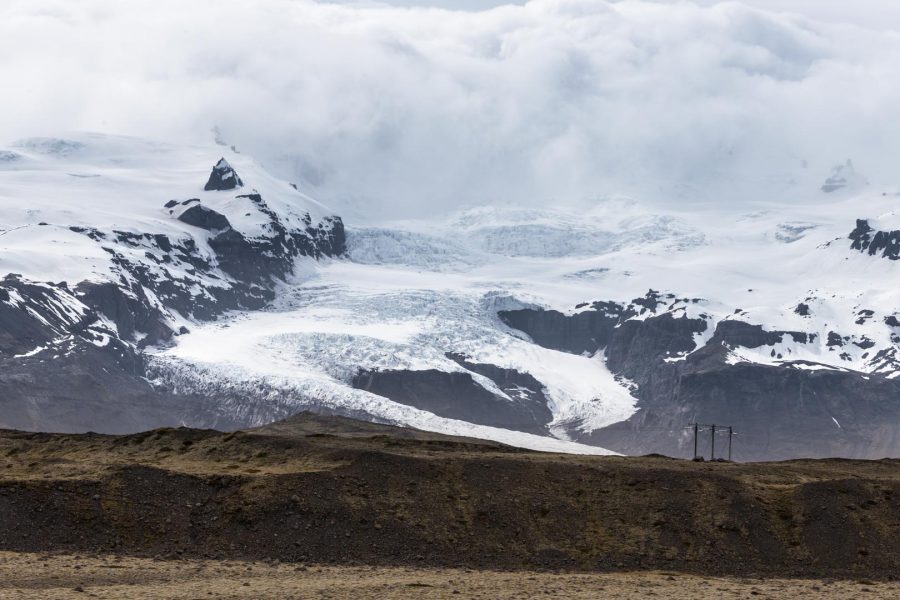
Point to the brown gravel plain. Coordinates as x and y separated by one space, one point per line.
49 577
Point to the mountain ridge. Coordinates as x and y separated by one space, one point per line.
240 306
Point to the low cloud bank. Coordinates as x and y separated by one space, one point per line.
396 111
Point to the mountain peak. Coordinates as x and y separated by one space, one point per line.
223 177
844 176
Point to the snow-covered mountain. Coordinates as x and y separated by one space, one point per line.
152 284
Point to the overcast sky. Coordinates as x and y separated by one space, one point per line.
398 111
880 14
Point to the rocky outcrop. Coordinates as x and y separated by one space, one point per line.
875 243
734 333
204 218
522 388
260 260
585 331
36 316
636 345
223 177
457 395
134 315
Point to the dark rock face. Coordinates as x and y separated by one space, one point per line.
223 177
524 389
456 395
35 315
89 389
582 332
130 310
204 218
62 368
636 345
260 260
739 333
780 411
885 243
238 257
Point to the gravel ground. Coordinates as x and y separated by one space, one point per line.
48 577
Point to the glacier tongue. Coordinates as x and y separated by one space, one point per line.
350 317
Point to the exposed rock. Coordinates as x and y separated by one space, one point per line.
638 346
739 333
27 318
223 177
131 311
585 331
864 343
93 334
872 242
204 218
454 395
864 315
523 388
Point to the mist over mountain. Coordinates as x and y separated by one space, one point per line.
401 111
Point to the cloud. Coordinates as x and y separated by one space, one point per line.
384 112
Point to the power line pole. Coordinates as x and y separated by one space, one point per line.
713 430
730 434
696 429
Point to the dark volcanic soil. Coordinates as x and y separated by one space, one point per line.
331 490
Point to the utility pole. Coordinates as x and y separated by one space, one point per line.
730 433
713 429
696 428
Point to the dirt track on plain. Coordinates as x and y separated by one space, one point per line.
41 577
